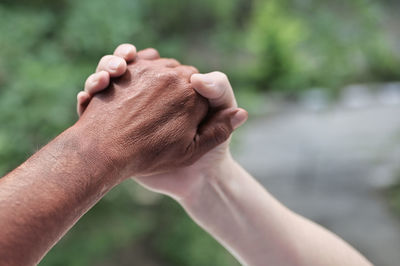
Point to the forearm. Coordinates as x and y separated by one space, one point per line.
45 196
256 228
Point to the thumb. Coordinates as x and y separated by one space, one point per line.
218 128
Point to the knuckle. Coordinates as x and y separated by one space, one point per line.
149 53
188 69
141 69
193 69
169 76
170 62
174 61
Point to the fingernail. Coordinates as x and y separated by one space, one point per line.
114 63
239 118
126 50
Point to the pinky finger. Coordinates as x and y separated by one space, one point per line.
83 99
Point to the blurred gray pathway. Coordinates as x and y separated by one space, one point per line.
331 163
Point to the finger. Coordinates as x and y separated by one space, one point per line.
216 88
83 99
239 118
114 65
148 54
97 82
186 71
168 62
126 51
216 130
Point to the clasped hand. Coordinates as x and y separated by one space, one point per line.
151 120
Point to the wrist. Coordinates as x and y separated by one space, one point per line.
96 160
112 146
215 178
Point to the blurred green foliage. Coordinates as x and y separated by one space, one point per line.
48 48
303 44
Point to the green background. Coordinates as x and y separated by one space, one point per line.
48 48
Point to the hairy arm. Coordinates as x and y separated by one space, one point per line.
45 196
257 229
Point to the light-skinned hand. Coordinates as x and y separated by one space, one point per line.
214 86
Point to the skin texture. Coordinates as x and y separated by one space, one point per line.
148 121
256 228
215 88
235 209
46 195
153 111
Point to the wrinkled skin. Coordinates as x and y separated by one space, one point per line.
150 120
